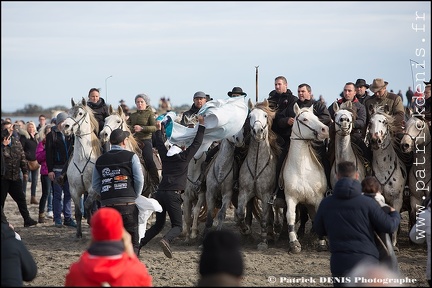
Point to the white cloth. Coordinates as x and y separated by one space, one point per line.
223 118
174 150
146 207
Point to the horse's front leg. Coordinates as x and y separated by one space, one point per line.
264 222
196 211
187 215
78 215
240 212
294 244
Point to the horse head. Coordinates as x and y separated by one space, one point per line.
116 119
81 120
260 118
416 133
379 127
343 118
307 125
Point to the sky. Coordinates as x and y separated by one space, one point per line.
52 52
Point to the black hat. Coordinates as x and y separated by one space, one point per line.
221 254
361 82
118 136
236 90
428 83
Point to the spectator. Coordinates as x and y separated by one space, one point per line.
58 149
17 264
46 183
371 187
110 260
409 95
348 219
29 142
14 162
221 261
42 122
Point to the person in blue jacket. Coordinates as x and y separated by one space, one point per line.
348 219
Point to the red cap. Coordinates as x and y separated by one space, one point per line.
107 225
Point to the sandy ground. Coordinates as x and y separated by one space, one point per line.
54 249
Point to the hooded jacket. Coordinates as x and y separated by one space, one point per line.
116 269
348 218
14 160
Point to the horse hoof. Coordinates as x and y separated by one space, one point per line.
295 247
262 246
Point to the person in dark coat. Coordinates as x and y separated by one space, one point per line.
175 163
361 90
17 264
282 101
348 219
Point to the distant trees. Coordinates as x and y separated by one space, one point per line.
35 110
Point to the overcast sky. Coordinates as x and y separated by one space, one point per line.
54 51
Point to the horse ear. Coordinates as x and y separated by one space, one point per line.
72 102
110 109
386 109
335 106
83 101
296 108
265 102
250 104
120 110
311 108
349 104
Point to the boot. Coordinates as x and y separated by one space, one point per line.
33 200
41 218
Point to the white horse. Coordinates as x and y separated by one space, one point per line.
220 180
303 174
258 169
389 170
344 121
87 148
417 140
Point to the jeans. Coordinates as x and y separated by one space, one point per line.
58 208
33 177
46 194
171 203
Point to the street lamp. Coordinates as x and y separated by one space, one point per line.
106 89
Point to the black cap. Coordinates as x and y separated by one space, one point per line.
118 136
236 90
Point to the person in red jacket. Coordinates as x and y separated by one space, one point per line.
110 259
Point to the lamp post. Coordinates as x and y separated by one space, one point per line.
106 88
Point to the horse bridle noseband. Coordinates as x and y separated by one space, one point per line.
298 121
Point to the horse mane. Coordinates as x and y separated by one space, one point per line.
272 136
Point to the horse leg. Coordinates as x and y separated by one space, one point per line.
304 217
210 202
322 244
187 217
264 221
226 200
294 244
78 215
196 210
240 212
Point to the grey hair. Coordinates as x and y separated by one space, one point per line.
143 96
